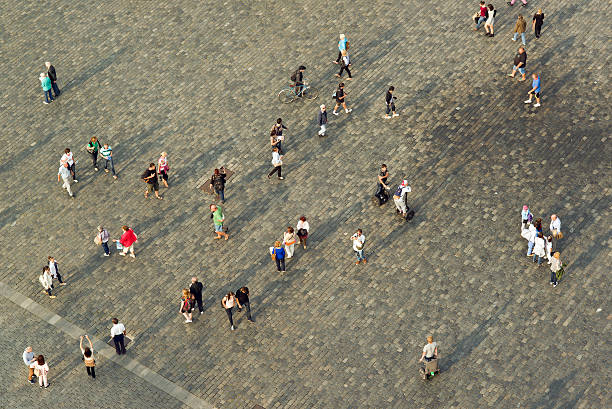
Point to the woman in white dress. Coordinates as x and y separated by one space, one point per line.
490 21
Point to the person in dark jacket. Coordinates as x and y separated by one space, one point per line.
390 100
150 178
195 289
217 182
242 296
53 77
322 120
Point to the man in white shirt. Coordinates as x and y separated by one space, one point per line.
29 360
63 174
118 335
358 245
69 159
555 225
399 197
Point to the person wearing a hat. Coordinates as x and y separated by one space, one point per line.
322 120
399 197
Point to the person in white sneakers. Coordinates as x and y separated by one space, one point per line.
46 281
390 100
535 90
399 197
63 174
340 96
322 120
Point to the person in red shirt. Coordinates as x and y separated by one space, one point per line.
483 15
127 240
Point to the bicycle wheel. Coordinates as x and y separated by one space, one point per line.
311 92
286 96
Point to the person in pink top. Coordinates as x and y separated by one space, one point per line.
163 168
127 240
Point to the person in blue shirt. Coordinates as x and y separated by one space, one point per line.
535 90
278 255
342 46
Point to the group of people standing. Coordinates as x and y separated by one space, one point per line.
48 81
285 249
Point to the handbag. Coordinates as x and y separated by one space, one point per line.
98 240
559 235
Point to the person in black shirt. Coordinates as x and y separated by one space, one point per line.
389 99
520 61
538 21
299 80
196 290
381 193
53 77
340 96
217 181
242 296
150 177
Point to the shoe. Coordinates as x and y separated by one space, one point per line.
32 381
71 195
75 181
338 75
528 101
394 115
522 79
358 261
387 117
187 321
201 312
115 177
554 284
251 321
106 255
62 283
524 5
536 105
335 113
52 296
365 261
268 176
133 256
232 328
513 39
508 3
281 178
46 386
491 35
96 169
335 62
45 102
349 110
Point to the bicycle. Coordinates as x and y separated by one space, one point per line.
288 95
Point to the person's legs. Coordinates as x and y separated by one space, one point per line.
553 277
73 171
282 264
200 304
112 166
529 248
280 175
248 310
59 277
339 56
480 21
93 372
131 250
221 194
122 341
348 71
94 159
515 36
117 344
105 247
274 170
88 370
30 373
336 108
55 89
523 38
278 266
229 316
66 186
393 109
523 73
537 30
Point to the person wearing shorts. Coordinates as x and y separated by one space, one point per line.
218 219
535 90
520 62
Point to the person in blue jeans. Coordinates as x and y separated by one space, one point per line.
358 244
278 255
539 249
107 154
45 81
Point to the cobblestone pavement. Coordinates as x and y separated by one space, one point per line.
199 81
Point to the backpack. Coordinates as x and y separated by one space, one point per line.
294 76
398 192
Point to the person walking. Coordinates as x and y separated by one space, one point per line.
534 91
277 162
93 147
340 96
322 120
150 178
346 63
520 62
107 154
186 308
102 239
163 168
54 270
217 182
302 230
46 86
88 358
520 28
30 362
41 369
381 186
278 128
278 255
242 299
68 158
53 77
555 267
390 100
483 15
490 21
46 280
511 3
63 174
228 303
195 289
218 219
289 239
358 244
127 240
118 336
343 45
298 80
539 249
399 198
275 142
537 22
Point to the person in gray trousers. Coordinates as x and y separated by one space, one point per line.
322 120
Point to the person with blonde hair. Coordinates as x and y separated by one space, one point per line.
187 305
278 255
538 21
556 269
430 351
342 46
163 168
520 28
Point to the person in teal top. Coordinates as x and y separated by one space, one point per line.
218 219
46 86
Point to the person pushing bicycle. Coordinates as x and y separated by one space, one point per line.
298 80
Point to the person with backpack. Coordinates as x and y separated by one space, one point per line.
217 182
346 62
381 189
298 80
186 306
340 97
358 240
399 198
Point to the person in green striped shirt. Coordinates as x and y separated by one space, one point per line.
107 154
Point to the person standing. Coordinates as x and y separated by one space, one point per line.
218 219
46 86
277 162
150 178
118 336
107 155
549 247
68 158
30 362
127 240
322 120
346 63
102 238
195 289
278 255
511 3
228 303
63 174
490 21
302 230
53 77
278 131
430 350
343 45
46 281
390 100
539 249
555 225
41 369
275 142
399 198
535 90
217 182
555 267
483 15
538 21
381 186
54 269
526 216
163 168
520 28
289 240
187 306
340 96
358 244
242 298
93 147
88 358
531 236
520 62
